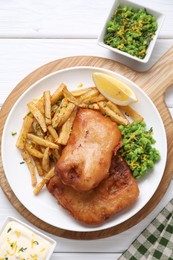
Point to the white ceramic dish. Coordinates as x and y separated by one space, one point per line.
44 206
159 17
35 233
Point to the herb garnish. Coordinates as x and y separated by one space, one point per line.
13 133
22 162
8 230
35 242
22 249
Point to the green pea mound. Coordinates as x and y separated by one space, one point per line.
137 149
131 30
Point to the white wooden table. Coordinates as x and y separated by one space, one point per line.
33 33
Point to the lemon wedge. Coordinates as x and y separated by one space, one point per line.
113 89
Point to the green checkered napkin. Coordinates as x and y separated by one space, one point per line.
156 241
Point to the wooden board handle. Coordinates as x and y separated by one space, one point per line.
160 77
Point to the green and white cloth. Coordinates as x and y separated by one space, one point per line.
156 241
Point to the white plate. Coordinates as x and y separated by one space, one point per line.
44 206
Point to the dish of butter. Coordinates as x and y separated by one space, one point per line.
20 242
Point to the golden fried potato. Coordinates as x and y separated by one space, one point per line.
57 94
67 94
38 115
110 113
59 112
53 133
41 141
46 160
66 129
32 151
129 111
44 181
47 107
26 126
85 98
79 92
28 159
38 166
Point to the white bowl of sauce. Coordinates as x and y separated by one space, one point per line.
20 241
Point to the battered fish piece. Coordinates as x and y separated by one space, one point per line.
113 194
86 159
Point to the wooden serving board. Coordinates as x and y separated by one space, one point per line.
154 82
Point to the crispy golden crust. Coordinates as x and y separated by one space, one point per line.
86 159
113 194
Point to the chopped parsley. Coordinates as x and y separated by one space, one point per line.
36 242
22 162
89 103
13 133
22 249
9 230
58 102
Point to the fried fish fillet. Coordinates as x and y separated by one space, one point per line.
86 159
116 192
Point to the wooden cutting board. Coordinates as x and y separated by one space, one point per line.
154 82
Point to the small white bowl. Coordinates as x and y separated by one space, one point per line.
159 18
34 231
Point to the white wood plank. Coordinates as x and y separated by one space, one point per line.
19 57
84 256
66 19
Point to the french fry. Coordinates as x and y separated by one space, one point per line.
46 161
44 181
110 113
97 98
70 97
55 155
37 129
53 109
66 129
32 151
129 111
42 148
79 92
56 117
47 107
38 115
62 114
40 105
41 141
27 123
28 159
89 105
66 113
57 94
53 133
48 137
85 98
38 166
115 108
